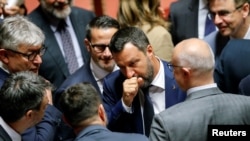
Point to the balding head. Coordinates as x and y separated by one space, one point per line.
196 60
194 53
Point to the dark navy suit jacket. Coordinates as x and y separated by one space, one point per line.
244 86
83 74
100 133
4 135
48 128
233 65
121 121
54 68
184 20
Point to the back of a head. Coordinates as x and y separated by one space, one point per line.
196 54
21 92
101 22
126 35
18 30
80 102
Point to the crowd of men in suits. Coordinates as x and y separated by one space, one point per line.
109 85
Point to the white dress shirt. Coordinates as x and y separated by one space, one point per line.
99 73
12 133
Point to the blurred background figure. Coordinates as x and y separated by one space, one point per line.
14 7
2 4
190 18
64 27
148 16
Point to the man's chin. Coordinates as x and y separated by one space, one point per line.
62 13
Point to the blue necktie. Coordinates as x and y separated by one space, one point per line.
209 26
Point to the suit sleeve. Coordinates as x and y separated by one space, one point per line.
118 119
219 75
158 130
46 129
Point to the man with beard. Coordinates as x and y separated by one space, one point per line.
55 17
143 86
98 35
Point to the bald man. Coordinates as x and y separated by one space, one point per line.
193 65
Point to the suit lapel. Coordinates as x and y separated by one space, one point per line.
3 135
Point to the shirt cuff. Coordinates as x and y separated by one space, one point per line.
126 108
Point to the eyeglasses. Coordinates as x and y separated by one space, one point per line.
171 66
32 55
224 13
99 48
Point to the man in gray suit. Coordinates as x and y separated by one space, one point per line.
193 66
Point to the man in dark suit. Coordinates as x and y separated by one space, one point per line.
143 82
29 92
98 34
234 23
233 65
90 121
188 19
48 16
244 86
21 50
193 66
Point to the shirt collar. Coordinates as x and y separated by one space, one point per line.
98 72
159 80
247 35
194 89
2 67
55 23
202 4
11 132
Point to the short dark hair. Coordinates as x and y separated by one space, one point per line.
80 102
22 91
131 35
101 22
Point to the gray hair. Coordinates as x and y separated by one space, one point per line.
18 30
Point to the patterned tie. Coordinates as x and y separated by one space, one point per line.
148 111
70 56
209 26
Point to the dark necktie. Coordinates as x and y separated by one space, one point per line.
148 111
209 26
70 56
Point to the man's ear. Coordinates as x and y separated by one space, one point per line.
4 56
245 9
186 72
102 114
150 50
29 114
86 42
